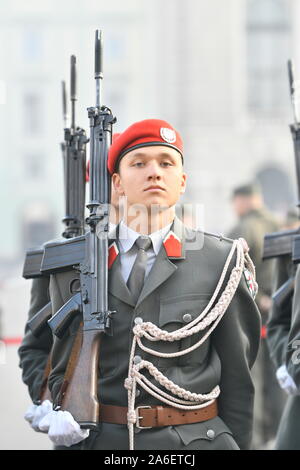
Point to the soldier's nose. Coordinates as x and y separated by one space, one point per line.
154 171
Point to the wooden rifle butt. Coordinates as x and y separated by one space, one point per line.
81 395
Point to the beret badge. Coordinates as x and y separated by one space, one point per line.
168 135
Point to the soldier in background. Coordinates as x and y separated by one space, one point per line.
278 328
34 351
254 222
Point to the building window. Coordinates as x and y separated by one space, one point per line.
32 44
34 166
32 114
37 225
268 49
116 47
271 178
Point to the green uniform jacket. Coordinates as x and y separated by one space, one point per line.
293 349
278 329
253 226
34 352
174 288
279 323
288 432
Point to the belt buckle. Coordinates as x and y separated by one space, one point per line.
137 424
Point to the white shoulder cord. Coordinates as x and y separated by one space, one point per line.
187 400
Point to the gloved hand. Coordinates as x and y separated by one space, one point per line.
29 415
62 429
42 410
286 382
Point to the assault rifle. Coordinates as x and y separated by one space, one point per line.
74 165
80 396
287 242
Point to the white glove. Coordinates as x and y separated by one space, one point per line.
286 382
29 415
41 411
62 429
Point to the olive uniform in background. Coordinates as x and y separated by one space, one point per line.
34 352
254 222
278 328
293 367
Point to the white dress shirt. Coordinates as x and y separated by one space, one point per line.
128 249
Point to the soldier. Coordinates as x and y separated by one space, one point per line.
34 352
164 275
292 364
278 328
254 222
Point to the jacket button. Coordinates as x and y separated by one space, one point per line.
211 434
137 359
138 320
137 393
187 317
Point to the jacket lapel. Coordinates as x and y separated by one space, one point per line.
116 283
172 249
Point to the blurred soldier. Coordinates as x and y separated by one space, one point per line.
35 350
278 328
254 222
290 427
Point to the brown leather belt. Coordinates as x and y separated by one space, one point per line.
155 416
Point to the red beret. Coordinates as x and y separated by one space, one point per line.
143 134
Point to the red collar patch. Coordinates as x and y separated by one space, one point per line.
173 245
112 254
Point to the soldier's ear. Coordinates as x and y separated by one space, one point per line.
183 183
116 181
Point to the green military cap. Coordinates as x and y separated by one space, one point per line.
246 190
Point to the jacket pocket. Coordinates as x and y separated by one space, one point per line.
213 433
175 313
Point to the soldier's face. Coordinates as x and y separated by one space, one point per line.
152 176
243 204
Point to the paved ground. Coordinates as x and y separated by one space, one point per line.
15 432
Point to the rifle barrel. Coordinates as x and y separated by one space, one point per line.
64 101
73 89
98 65
293 92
